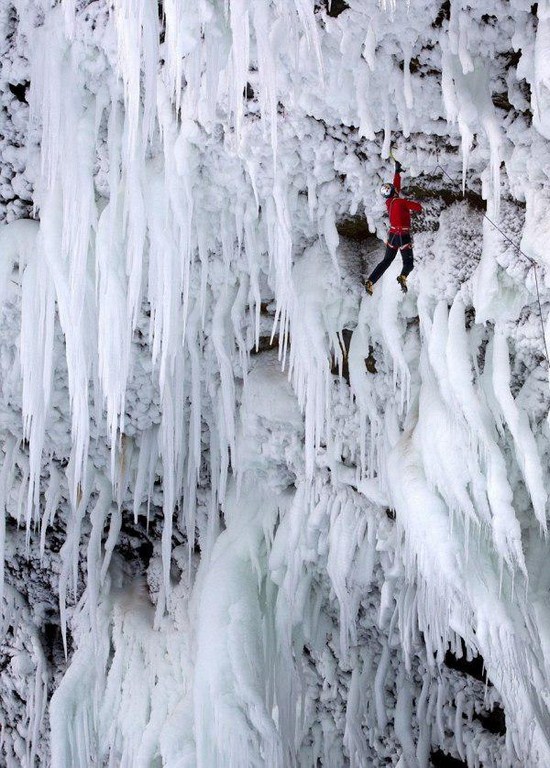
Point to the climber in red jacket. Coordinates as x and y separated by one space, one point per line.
399 236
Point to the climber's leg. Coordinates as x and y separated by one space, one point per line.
408 260
407 255
389 256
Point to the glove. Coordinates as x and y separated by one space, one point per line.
398 167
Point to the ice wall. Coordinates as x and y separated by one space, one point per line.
232 536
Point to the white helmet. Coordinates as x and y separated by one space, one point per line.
387 190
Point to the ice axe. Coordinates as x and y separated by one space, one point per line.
398 166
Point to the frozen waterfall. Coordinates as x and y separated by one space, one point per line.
251 516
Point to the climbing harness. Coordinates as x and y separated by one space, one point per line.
532 262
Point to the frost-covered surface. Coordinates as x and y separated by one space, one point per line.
212 561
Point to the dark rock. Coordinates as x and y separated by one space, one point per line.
474 667
265 344
19 90
345 342
440 759
493 721
355 228
444 14
370 362
335 7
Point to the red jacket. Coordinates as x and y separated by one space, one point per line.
399 209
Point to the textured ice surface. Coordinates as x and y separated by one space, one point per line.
231 536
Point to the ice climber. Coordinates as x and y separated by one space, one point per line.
399 236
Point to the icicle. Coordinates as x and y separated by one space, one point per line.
231 625
137 37
239 19
518 423
307 17
506 528
144 478
52 497
113 328
93 555
6 480
354 739
69 553
379 688
37 334
424 723
458 729
331 236
539 91
403 717
220 324
268 73
407 84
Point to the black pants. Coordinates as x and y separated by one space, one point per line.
396 242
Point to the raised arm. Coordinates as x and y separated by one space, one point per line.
397 182
397 176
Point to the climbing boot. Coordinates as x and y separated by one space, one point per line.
402 280
369 287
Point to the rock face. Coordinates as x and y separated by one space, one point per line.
251 516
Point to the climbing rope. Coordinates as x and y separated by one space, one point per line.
532 262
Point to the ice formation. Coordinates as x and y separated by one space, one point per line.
251 516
